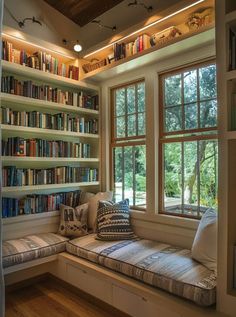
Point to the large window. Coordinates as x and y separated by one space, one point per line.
188 141
128 159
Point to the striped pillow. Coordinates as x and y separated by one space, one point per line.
113 221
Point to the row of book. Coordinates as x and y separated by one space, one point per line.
12 176
27 88
17 146
123 50
39 60
32 204
60 121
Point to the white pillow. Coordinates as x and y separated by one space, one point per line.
93 207
204 248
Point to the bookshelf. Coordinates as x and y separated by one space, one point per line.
177 19
225 19
22 103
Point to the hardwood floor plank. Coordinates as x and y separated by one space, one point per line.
49 298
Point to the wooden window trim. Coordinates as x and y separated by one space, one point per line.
165 137
124 141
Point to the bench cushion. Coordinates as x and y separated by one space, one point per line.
32 247
157 264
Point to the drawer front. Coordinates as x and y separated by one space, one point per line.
89 283
138 306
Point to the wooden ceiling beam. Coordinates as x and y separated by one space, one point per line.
82 11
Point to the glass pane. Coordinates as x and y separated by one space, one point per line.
131 125
173 90
118 163
173 119
120 102
191 116
190 178
207 82
208 174
141 124
208 114
128 173
172 177
131 99
120 127
140 176
190 86
141 97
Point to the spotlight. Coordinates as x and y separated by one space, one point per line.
77 47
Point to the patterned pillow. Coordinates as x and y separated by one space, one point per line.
74 221
113 221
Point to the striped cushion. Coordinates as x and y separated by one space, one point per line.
32 247
157 264
113 221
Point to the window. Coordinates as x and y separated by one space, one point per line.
128 144
188 141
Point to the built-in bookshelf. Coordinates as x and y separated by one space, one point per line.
49 130
176 24
226 64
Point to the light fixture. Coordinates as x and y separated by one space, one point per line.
77 47
36 45
145 27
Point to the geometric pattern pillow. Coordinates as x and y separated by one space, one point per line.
74 221
113 221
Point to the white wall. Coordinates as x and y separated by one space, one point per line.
151 225
55 26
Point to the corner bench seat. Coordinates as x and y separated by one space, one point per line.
157 264
32 247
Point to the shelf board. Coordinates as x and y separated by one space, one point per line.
178 45
59 160
30 217
42 104
38 188
230 17
230 75
46 77
230 135
19 130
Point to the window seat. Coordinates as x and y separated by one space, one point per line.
160 265
32 247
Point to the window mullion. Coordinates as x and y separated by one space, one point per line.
182 175
198 179
123 174
134 172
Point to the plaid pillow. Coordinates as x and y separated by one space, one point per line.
113 221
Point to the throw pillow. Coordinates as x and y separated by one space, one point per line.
93 207
74 221
204 248
85 196
113 221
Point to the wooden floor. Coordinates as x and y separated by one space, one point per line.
49 298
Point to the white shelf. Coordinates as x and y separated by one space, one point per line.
30 217
42 104
38 188
230 135
56 160
19 130
230 17
181 44
230 75
45 76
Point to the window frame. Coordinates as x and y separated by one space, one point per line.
123 141
179 135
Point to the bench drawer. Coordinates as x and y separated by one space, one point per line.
89 283
138 306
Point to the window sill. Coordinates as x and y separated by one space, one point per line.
172 221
